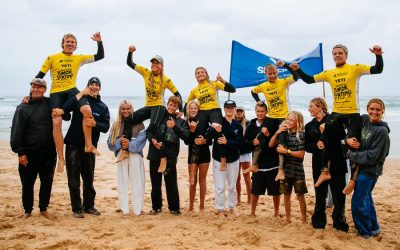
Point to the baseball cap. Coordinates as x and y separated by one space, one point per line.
158 59
229 104
94 80
240 108
39 81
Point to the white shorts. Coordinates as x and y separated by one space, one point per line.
245 157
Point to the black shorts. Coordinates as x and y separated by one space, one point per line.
58 99
288 184
262 181
204 155
207 117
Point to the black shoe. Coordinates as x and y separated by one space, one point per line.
78 214
92 211
175 212
155 211
343 226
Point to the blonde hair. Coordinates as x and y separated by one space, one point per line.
270 67
119 122
341 46
67 36
243 121
151 79
299 122
195 102
320 103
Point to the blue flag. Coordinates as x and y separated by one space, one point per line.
247 65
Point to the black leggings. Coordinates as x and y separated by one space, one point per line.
207 117
352 122
154 113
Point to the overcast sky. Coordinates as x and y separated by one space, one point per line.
195 33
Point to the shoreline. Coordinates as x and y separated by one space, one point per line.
113 230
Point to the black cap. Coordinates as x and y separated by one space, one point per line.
94 80
230 104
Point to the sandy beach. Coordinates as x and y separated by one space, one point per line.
113 230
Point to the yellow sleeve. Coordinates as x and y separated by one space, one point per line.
191 96
46 65
320 77
219 85
257 89
170 85
141 70
363 69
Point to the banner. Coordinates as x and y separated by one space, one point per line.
247 65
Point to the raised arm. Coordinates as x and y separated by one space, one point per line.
228 87
100 49
286 66
378 67
129 57
306 78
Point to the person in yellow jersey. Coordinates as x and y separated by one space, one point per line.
64 68
206 93
155 82
276 92
344 82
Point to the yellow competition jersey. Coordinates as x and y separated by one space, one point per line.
155 93
344 83
207 94
64 69
277 96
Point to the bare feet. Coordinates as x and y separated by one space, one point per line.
324 176
27 215
221 214
253 215
46 215
251 169
60 165
280 176
350 187
163 165
122 155
222 167
92 149
286 222
234 212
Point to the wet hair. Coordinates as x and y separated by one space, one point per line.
174 99
320 103
195 102
67 36
270 67
117 126
378 101
299 122
341 46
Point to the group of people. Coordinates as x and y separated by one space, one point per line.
271 146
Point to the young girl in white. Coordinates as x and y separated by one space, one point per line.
130 171
292 173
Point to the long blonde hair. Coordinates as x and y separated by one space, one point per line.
119 122
299 122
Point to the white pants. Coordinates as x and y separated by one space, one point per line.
131 171
221 178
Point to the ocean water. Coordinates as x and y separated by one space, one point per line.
299 103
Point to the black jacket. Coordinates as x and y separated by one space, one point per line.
32 128
233 132
100 113
333 145
170 144
269 157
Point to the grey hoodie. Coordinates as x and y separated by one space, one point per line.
375 143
